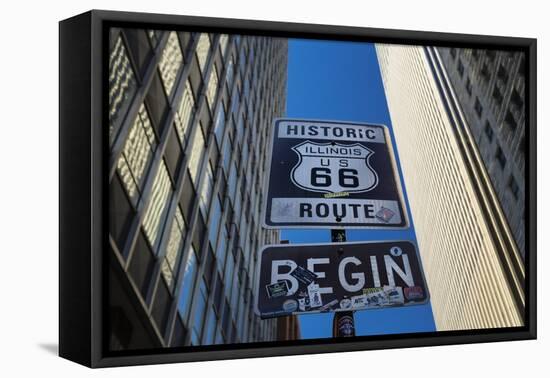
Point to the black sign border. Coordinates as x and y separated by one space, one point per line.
393 161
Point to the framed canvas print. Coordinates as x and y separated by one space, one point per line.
234 188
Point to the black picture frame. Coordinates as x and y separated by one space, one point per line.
83 47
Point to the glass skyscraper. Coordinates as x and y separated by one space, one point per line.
189 118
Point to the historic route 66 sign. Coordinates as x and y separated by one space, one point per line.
332 174
333 168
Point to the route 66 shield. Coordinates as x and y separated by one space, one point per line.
333 167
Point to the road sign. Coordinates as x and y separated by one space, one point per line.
332 174
311 278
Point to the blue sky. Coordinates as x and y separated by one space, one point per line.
341 81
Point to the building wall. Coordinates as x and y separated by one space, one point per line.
189 114
490 86
468 287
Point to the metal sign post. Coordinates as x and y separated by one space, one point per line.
343 323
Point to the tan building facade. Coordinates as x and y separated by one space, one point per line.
474 273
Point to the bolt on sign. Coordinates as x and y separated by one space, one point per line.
332 174
312 278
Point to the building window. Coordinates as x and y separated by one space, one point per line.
120 212
453 52
210 328
502 74
188 284
517 99
206 191
197 149
203 47
136 154
184 112
170 62
230 73
154 37
215 220
141 264
460 68
500 157
514 188
491 54
469 86
173 248
497 95
199 313
510 121
211 90
219 124
478 108
485 74
223 43
489 131
155 216
122 86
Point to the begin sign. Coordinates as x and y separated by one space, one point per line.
332 174
338 277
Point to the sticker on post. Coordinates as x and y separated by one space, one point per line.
277 289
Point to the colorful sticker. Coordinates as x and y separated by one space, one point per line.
345 304
277 289
395 295
290 305
359 301
413 293
376 296
314 295
303 275
329 305
385 214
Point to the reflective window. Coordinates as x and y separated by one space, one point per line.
230 73
232 182
219 124
154 219
228 275
226 156
199 313
210 328
223 43
197 149
215 220
221 252
122 86
188 283
184 112
154 37
170 62
203 47
136 154
173 248
212 89
206 191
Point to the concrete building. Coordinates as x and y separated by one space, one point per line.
490 86
472 264
188 115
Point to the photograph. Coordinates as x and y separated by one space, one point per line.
267 190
